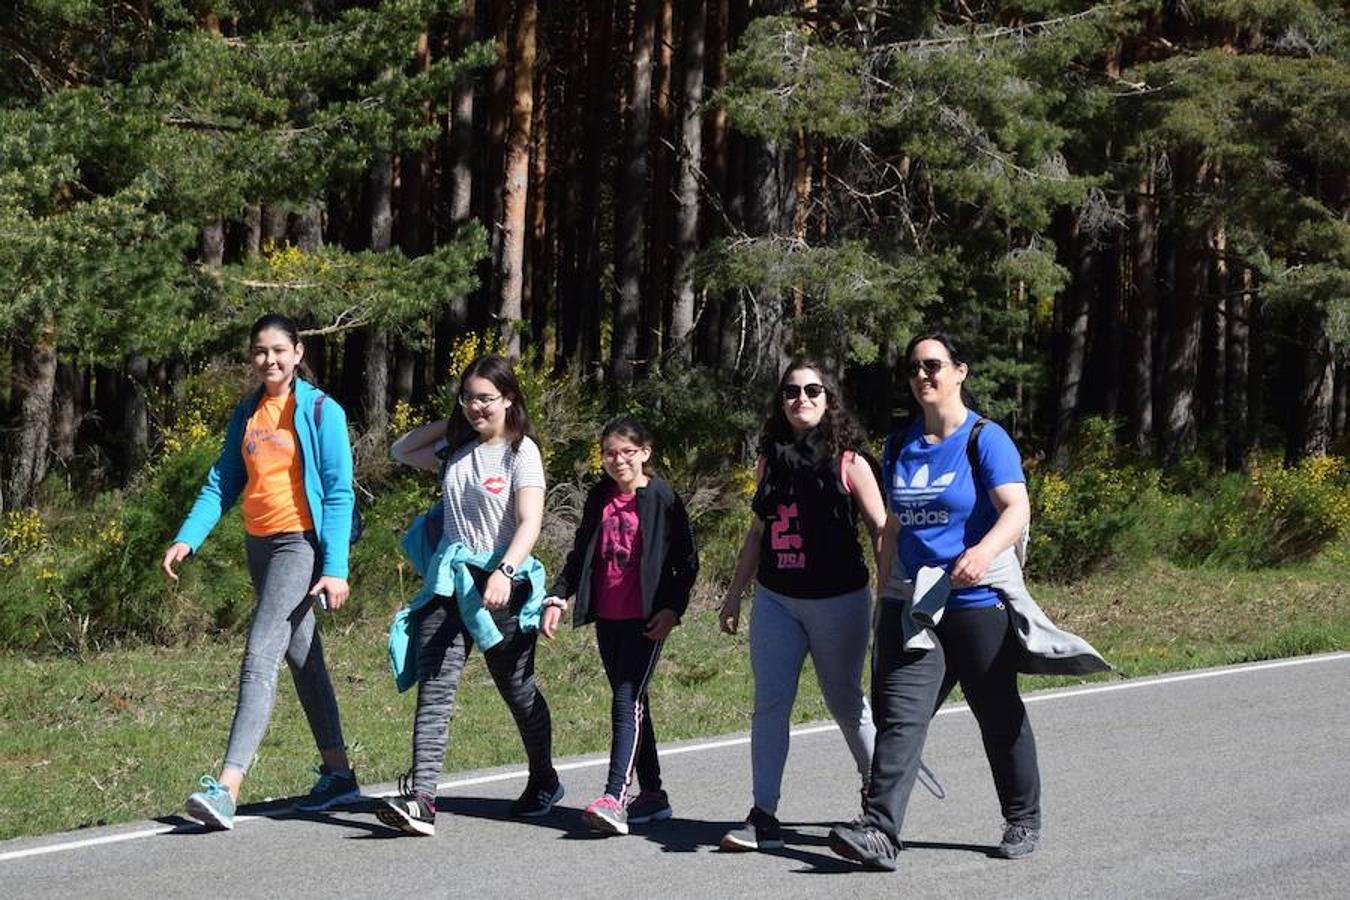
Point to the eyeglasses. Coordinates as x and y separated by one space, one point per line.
930 367
624 453
479 400
793 391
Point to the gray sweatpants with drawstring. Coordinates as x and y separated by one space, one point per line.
834 630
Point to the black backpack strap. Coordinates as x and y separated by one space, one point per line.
973 449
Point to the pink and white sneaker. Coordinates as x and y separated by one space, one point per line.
606 816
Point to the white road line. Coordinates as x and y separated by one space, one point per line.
1040 697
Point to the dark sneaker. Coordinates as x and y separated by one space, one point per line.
1019 841
332 789
649 806
606 815
761 831
409 813
864 844
537 800
212 805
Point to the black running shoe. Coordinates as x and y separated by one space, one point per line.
1019 841
537 800
865 844
760 831
409 813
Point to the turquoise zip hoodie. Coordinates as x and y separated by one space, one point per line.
326 457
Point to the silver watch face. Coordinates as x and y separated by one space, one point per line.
507 569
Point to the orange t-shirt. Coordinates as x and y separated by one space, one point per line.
274 498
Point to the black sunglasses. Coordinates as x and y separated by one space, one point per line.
930 367
793 391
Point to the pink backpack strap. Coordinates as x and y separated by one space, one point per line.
845 460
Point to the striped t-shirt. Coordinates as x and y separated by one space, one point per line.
481 480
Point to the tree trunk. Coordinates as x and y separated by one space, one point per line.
375 395
566 143
273 224
1077 305
686 190
596 116
1141 311
655 327
1237 330
515 188
67 407
250 233
211 244
135 413
1182 344
1315 395
32 399
454 319
1339 397
1214 375
630 202
539 256
493 184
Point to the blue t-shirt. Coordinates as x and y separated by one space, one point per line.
932 492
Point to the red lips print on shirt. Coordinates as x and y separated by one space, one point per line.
494 484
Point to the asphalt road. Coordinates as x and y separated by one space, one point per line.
1227 783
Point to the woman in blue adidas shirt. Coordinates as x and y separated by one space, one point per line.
287 456
947 515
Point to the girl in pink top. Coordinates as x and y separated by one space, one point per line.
631 568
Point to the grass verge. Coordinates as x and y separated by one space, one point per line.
125 734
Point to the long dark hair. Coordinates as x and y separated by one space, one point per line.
496 369
287 326
957 358
629 428
838 427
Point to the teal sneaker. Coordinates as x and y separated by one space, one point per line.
212 805
332 788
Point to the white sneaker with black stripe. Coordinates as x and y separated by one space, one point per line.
409 813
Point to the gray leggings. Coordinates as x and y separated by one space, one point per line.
834 630
284 567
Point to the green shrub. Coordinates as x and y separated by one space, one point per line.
1273 516
1102 509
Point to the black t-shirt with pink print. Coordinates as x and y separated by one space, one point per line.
810 546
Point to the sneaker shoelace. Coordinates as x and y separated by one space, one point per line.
325 782
212 787
874 840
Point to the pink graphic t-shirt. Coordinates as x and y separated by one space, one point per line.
617 584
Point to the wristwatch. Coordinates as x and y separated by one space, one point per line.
507 569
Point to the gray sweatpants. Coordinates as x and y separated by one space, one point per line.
834 630
283 567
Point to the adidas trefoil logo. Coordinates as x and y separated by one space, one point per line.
920 492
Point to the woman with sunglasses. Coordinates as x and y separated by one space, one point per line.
492 479
959 506
811 592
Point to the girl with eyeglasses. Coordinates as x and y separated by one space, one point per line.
959 507
632 565
288 460
484 586
811 592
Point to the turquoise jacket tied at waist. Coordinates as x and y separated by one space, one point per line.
444 569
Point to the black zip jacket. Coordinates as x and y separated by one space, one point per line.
669 557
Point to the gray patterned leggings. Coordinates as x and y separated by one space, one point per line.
443 648
284 567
